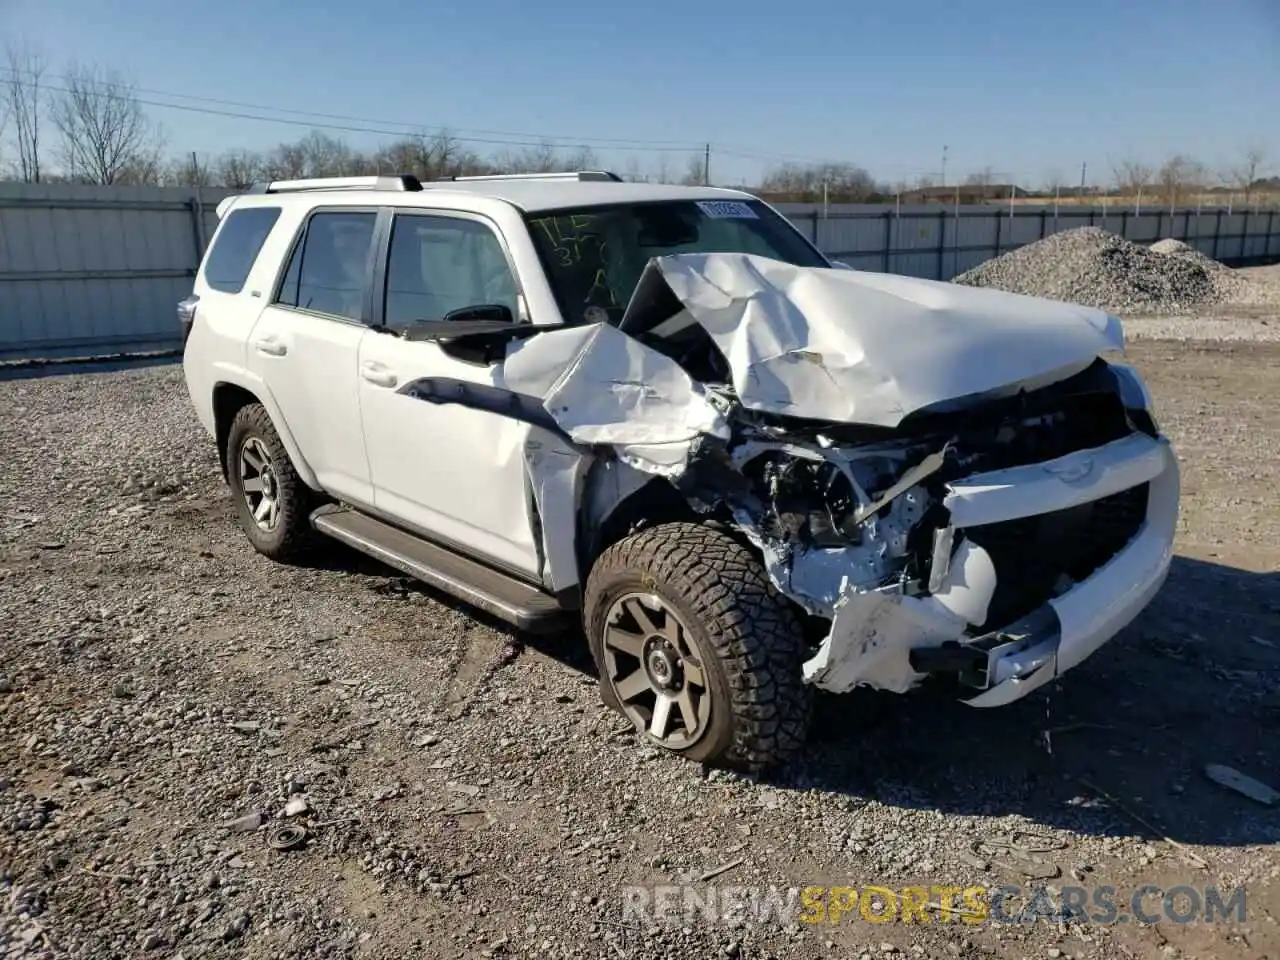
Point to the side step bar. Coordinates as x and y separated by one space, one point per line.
522 605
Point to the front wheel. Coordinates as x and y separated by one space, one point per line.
696 647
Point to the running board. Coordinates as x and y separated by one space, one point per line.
522 605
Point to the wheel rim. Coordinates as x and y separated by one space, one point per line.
259 485
656 670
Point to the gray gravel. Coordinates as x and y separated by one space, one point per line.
1097 268
169 700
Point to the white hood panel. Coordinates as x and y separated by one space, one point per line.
855 347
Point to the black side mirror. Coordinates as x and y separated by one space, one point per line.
491 312
476 334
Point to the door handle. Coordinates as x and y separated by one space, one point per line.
271 347
378 375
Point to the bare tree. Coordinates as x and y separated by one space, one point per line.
803 183
1179 177
1132 177
1054 181
188 171
1248 171
981 178
539 159
24 101
238 169
694 171
106 136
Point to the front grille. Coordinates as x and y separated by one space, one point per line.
1040 428
1032 554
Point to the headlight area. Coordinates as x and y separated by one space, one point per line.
830 519
942 539
1136 398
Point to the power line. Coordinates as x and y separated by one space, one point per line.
367 125
129 92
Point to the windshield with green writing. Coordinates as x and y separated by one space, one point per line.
594 255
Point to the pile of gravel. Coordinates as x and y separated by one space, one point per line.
1097 268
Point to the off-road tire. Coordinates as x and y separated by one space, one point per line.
749 636
293 536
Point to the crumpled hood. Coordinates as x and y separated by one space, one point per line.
849 346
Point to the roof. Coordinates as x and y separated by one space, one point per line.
531 196
535 195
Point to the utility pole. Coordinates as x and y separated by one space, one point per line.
1084 167
706 166
944 165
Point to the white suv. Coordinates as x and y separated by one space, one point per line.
749 471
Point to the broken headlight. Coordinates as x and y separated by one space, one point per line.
1135 396
815 500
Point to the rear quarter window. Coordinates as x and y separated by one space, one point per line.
236 247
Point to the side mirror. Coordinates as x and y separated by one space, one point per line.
491 312
840 265
477 334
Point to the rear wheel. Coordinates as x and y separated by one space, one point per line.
696 647
272 503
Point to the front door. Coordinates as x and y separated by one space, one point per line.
306 343
452 472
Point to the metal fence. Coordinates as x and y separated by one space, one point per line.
939 242
88 271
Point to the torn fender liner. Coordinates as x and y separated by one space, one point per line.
849 346
602 387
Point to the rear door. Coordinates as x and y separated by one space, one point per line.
454 473
306 344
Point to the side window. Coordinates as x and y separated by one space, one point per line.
327 272
241 238
438 264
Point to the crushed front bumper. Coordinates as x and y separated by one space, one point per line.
873 634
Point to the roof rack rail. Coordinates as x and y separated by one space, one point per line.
598 175
401 183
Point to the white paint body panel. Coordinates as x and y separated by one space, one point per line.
856 347
308 363
446 470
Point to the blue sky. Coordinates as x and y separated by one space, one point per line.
1026 87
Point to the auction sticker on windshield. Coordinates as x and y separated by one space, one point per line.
727 210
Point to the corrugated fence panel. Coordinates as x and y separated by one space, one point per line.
94 270
87 270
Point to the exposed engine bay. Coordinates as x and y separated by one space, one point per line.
833 502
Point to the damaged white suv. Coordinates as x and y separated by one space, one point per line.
751 472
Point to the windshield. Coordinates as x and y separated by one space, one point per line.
594 256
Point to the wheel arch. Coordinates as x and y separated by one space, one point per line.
604 520
230 396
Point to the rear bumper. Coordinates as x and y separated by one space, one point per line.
874 634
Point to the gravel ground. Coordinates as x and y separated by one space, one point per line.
168 700
1098 268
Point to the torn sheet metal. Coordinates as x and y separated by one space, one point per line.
556 472
873 632
867 348
603 387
